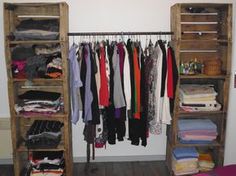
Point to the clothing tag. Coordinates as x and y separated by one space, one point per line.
235 79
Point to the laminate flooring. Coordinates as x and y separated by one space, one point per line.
144 168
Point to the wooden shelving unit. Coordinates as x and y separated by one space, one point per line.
203 35
13 14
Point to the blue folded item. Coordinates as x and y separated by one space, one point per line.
185 152
196 124
194 141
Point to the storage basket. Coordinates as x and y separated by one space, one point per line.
212 67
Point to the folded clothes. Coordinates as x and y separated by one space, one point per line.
198 132
196 104
216 107
194 141
40 95
47 163
22 52
187 172
43 24
198 137
185 152
209 99
47 49
197 90
35 35
44 134
196 124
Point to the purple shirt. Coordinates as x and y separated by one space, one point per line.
75 83
88 92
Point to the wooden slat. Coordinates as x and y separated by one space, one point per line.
229 18
175 22
190 45
196 36
203 76
199 18
35 42
199 27
23 148
199 56
34 9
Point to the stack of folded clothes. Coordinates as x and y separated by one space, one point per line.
205 161
185 161
30 29
195 97
19 55
196 131
38 102
38 61
44 134
46 163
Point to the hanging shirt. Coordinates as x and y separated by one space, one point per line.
118 96
170 83
127 83
137 79
103 92
75 83
88 93
155 124
165 116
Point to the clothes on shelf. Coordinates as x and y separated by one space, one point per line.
197 131
205 162
197 97
38 102
114 83
30 29
44 134
185 161
45 163
36 61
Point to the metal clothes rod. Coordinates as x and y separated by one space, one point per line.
117 33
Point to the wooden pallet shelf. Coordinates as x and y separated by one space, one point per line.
202 36
14 13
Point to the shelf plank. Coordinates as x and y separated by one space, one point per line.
200 113
205 40
38 80
57 116
203 76
213 144
35 42
23 148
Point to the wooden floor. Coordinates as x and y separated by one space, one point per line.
149 168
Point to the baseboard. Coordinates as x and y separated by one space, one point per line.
6 161
107 159
121 158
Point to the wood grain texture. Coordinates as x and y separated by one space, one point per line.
198 41
13 14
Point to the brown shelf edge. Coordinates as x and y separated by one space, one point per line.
35 41
23 148
203 76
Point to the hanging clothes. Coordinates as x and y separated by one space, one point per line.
75 84
121 84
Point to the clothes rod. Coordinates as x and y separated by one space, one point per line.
117 33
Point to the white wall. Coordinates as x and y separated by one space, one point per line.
119 15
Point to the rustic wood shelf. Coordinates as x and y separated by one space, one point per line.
13 14
202 36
